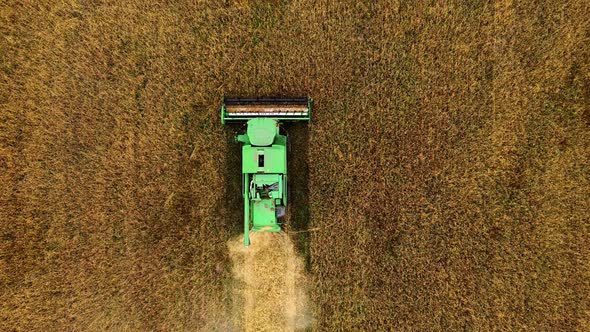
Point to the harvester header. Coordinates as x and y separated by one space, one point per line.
285 109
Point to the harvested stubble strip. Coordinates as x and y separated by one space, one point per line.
269 291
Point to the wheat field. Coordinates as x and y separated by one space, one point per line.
443 183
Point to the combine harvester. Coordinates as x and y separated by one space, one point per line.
264 156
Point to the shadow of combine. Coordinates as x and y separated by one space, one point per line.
298 173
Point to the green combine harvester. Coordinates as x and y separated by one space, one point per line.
264 156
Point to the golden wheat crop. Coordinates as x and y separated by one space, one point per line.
441 185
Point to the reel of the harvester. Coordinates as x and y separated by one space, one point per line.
264 156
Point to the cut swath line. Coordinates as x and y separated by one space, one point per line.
269 287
